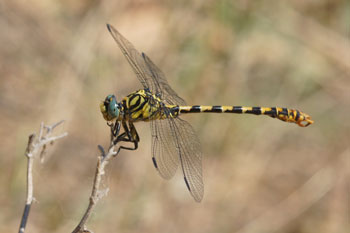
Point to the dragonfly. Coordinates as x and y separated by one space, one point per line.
174 141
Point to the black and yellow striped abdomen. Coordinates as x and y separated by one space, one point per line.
142 105
284 114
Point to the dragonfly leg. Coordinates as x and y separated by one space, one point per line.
134 132
115 128
129 135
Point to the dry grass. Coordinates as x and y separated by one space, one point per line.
58 61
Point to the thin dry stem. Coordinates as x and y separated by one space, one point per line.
96 193
33 146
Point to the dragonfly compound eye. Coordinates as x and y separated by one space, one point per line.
109 108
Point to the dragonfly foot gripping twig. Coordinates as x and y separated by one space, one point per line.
97 193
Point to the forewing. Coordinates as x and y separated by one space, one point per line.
164 152
148 73
132 56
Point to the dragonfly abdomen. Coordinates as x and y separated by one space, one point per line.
284 114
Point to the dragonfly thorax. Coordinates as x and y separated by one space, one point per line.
110 108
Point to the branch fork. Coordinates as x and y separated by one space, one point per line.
33 147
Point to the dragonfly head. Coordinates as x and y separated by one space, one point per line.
109 108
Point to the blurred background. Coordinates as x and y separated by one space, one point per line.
58 61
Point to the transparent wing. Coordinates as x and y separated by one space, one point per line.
132 56
174 141
158 79
190 155
147 72
165 157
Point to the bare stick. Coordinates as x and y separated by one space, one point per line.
102 161
33 146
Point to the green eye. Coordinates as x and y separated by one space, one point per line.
110 110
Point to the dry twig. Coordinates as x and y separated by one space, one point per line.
102 161
34 145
